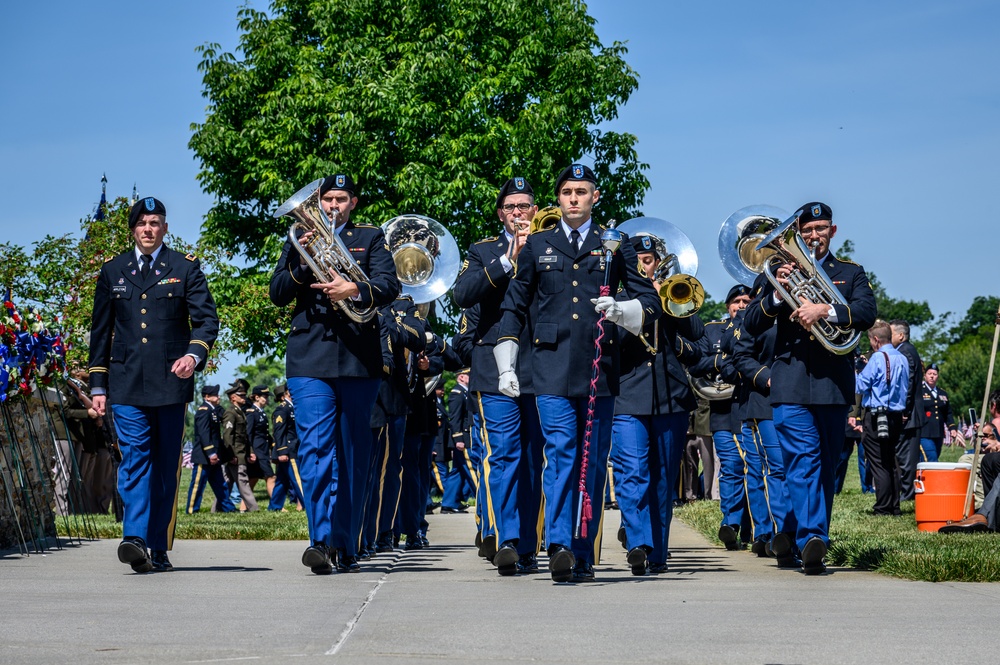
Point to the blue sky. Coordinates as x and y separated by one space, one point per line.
887 111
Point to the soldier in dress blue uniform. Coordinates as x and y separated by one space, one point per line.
288 480
767 495
462 483
561 271
937 408
811 388
334 365
513 442
154 323
716 361
260 439
207 465
650 424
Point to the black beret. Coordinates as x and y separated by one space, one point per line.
210 390
146 206
815 211
643 244
513 186
337 181
578 172
260 390
737 291
933 366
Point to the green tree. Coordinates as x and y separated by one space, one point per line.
429 104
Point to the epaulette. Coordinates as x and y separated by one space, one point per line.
365 226
404 296
203 408
109 259
717 322
190 257
847 261
490 239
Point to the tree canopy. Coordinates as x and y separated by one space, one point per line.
429 105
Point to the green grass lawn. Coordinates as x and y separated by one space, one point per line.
892 546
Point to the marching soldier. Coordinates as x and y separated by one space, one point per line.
205 455
154 323
939 416
650 424
334 364
463 484
287 480
717 361
812 388
237 442
260 439
513 439
562 272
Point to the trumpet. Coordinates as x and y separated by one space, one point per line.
324 253
681 294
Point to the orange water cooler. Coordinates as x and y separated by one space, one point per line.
940 493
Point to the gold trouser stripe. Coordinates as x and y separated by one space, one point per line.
765 468
437 477
541 509
609 484
472 469
746 488
486 465
298 480
194 488
383 434
173 514
600 524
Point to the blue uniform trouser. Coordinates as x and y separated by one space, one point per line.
331 418
512 468
930 449
415 489
760 437
390 475
811 438
647 453
732 491
212 475
287 483
477 453
458 484
150 439
373 488
563 420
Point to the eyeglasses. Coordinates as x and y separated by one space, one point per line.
815 231
991 435
523 207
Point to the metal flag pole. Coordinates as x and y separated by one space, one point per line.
977 441
611 240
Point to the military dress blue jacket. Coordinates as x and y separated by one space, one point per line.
207 436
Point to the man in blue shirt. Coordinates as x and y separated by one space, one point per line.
882 385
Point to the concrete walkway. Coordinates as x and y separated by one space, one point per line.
234 601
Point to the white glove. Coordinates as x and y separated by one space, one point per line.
505 353
626 314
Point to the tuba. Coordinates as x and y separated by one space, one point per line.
808 280
739 237
425 254
681 294
324 253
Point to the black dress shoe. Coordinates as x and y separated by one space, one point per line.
488 549
161 563
783 548
561 563
759 547
413 543
813 554
384 544
637 560
583 572
348 564
623 537
423 539
527 564
506 559
479 540
447 510
133 552
317 559
656 568
729 537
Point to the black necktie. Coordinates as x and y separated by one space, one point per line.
574 237
146 260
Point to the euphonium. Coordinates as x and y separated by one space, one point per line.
324 253
807 280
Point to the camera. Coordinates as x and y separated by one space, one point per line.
882 422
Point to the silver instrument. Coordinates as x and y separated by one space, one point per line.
738 239
681 294
425 254
807 280
324 253
711 387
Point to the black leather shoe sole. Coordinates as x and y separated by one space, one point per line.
488 549
134 555
729 537
506 561
317 561
781 545
561 564
637 561
656 568
622 537
813 554
759 547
